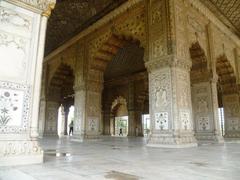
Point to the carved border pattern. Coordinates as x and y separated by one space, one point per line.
39 4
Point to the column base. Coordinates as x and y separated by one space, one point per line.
20 152
172 141
209 138
232 135
51 134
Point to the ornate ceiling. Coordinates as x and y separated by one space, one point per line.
228 11
69 17
72 16
128 60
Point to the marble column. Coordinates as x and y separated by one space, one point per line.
62 120
131 123
66 112
231 107
41 117
22 36
168 63
205 111
107 122
93 118
51 123
131 110
79 123
112 120
139 124
170 105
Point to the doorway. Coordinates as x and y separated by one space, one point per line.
121 123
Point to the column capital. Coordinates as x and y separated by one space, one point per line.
47 12
168 61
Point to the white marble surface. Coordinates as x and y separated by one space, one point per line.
128 158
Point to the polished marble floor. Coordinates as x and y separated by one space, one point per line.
122 158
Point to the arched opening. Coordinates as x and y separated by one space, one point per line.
120 59
119 119
60 96
70 119
228 97
199 70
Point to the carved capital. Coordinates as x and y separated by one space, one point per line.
48 10
168 61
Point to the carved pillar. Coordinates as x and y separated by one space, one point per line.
131 110
107 121
139 125
66 112
22 36
42 104
41 117
169 78
79 114
62 120
51 118
37 79
80 93
205 111
94 106
112 122
231 107
170 108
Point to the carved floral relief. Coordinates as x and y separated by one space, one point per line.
13 56
93 124
9 17
14 107
10 107
203 123
161 120
185 120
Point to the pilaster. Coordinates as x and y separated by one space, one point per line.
231 106
205 112
80 93
22 32
79 126
131 110
66 112
107 121
51 123
94 105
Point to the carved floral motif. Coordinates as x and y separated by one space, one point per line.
158 48
161 120
93 124
14 19
203 123
14 107
10 148
185 120
161 90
